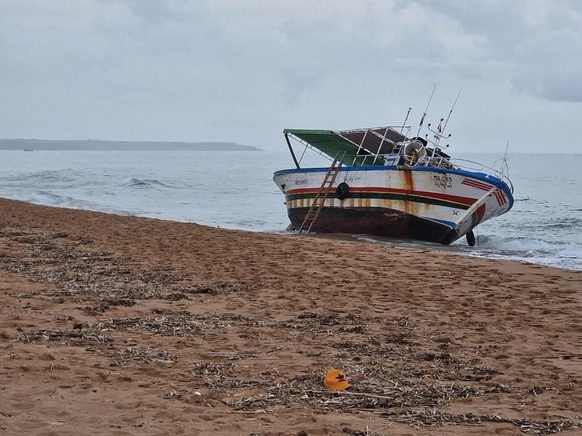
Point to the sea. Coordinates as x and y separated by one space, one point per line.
235 190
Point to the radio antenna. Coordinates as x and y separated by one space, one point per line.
426 110
405 120
450 112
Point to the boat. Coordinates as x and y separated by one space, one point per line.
385 182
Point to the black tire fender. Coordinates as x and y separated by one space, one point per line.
342 190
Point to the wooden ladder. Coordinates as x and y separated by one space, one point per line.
321 196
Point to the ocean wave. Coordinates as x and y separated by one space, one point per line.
52 199
563 223
555 254
67 202
529 200
61 178
135 182
558 254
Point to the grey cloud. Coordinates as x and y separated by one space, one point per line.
183 70
536 45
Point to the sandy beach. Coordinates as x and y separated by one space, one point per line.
121 325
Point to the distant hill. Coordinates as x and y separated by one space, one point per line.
90 144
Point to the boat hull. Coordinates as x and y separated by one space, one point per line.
427 204
373 221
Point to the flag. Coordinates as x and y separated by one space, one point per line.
422 119
439 128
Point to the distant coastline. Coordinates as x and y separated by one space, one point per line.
90 144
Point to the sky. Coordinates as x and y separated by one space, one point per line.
244 70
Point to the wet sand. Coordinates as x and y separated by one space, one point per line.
122 325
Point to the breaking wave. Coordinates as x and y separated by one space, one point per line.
135 182
560 254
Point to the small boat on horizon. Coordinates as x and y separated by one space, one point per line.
385 182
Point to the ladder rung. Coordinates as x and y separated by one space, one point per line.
321 196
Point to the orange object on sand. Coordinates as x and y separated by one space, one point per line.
336 380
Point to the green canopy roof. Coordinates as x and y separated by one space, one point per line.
360 146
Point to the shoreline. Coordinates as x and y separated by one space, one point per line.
455 249
125 324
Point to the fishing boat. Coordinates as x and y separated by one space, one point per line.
386 182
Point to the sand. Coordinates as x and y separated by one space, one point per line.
122 325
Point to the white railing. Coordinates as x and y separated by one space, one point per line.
470 165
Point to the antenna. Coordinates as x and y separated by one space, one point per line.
450 112
426 110
405 119
439 133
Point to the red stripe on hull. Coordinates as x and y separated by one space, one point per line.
476 184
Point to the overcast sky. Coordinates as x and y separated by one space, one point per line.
243 70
